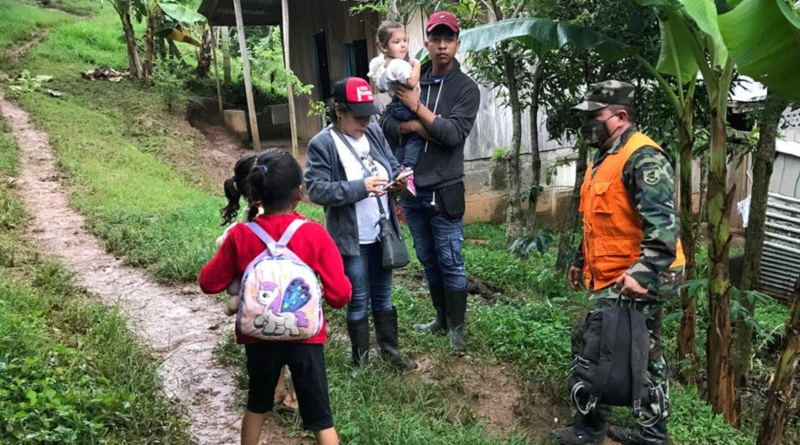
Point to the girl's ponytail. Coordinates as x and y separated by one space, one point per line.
230 211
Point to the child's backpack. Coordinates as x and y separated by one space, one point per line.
280 298
610 364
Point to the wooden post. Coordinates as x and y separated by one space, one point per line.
216 71
288 67
248 85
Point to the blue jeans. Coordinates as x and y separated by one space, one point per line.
438 240
411 145
372 284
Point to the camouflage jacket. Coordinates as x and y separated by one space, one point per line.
650 180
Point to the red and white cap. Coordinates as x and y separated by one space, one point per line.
442 18
356 93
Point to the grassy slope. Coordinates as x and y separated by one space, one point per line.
70 371
157 218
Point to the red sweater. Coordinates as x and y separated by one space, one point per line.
311 243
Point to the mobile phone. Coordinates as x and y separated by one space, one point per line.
404 174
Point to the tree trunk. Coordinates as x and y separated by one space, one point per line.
204 53
174 51
763 161
572 221
536 158
514 223
779 402
687 349
134 64
225 47
721 390
149 42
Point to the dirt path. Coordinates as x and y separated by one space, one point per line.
180 324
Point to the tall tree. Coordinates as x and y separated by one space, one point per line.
763 160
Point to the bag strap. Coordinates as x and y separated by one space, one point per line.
276 248
608 335
289 232
640 351
338 134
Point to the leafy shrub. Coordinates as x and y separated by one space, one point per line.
168 82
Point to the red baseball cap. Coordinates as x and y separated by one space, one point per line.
442 18
356 93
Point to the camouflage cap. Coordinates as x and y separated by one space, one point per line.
602 94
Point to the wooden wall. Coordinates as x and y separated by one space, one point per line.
308 18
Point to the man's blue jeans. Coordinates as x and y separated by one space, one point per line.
372 284
438 240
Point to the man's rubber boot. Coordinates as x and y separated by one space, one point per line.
585 430
358 330
386 332
455 310
437 325
654 435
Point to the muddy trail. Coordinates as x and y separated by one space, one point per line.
180 324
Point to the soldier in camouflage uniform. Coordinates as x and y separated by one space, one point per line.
639 258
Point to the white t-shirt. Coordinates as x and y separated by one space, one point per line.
367 213
398 70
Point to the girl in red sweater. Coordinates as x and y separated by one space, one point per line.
275 180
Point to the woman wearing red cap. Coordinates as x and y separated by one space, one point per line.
348 166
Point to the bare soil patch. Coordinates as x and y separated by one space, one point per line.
178 323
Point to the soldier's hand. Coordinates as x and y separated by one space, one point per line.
630 287
575 278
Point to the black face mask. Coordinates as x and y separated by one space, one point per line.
595 132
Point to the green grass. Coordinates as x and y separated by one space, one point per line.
70 370
21 21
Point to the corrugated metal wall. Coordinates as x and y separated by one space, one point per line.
780 264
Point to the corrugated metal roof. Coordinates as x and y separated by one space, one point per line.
787 147
254 12
780 262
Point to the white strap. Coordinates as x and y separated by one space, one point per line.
287 235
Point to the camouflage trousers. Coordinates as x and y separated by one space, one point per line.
668 286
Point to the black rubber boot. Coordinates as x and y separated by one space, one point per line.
654 435
455 310
386 332
437 325
585 430
359 340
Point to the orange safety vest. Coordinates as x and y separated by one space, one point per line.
612 229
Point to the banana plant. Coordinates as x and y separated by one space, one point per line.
154 11
124 9
760 37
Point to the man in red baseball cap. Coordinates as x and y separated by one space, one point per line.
444 118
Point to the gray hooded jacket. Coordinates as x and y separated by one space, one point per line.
327 185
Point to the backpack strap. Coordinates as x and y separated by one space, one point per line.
289 232
262 234
640 354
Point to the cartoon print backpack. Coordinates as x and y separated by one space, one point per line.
280 298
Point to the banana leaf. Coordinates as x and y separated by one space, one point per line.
541 35
763 37
181 13
675 59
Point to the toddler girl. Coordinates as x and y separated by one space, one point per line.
387 72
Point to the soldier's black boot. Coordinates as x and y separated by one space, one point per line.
585 430
386 332
438 324
358 331
653 435
455 311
